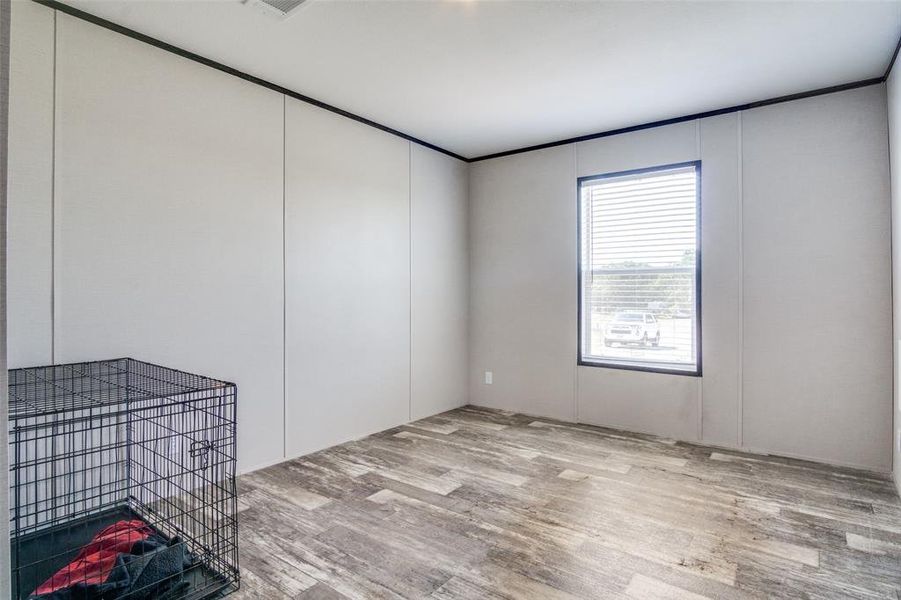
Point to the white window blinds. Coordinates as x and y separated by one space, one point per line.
639 269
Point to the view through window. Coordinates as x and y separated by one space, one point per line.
639 269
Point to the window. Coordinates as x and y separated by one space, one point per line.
639 283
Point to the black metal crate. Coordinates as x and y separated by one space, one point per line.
98 443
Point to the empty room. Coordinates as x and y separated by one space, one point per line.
450 299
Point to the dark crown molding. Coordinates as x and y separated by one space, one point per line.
85 16
701 115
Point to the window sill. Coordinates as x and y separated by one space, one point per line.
662 369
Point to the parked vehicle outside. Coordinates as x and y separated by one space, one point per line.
633 328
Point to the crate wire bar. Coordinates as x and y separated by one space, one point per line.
98 442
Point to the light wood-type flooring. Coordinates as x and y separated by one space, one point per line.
482 504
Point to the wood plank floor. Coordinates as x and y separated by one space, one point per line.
482 504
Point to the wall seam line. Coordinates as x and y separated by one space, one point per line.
895 437
284 278
5 77
575 156
740 416
410 274
471 389
53 198
700 380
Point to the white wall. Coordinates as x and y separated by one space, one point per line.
150 211
766 173
29 239
347 198
439 218
523 257
721 287
168 220
893 86
376 280
817 279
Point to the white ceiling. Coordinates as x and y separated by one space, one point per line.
481 77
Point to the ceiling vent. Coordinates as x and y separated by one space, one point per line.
281 9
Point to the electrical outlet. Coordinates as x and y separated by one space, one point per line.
489 377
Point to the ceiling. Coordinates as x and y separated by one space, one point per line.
481 77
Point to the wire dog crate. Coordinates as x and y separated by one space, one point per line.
122 482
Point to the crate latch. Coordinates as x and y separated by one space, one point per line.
201 449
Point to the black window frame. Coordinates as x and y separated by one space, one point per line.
698 370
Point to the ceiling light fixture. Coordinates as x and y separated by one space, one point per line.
281 9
